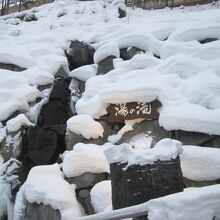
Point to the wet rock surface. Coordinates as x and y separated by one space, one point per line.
11 67
138 184
195 138
105 65
128 53
79 54
36 211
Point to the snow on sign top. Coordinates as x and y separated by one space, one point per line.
164 150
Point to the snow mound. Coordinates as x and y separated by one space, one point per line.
85 158
165 149
46 184
106 50
86 126
101 196
16 123
194 203
84 73
200 163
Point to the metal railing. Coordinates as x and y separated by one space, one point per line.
129 212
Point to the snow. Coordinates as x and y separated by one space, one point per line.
85 158
16 123
84 73
196 203
46 184
164 150
101 196
172 35
106 50
200 163
193 203
86 126
127 127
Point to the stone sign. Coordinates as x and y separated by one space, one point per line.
132 110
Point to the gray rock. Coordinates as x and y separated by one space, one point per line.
148 128
11 67
79 54
62 73
85 200
195 138
11 146
191 183
128 53
72 138
87 180
105 65
36 211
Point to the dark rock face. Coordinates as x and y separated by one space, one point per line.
195 138
36 211
105 65
128 53
149 128
11 146
30 17
87 180
11 67
85 200
191 183
62 73
56 111
41 147
53 113
138 184
208 40
79 54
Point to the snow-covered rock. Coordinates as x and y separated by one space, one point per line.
85 158
200 163
86 126
101 196
46 184
16 123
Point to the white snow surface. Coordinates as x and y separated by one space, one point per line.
86 126
16 123
200 163
101 196
165 149
193 204
84 73
85 158
185 79
46 184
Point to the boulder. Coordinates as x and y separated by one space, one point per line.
128 53
62 73
191 183
147 128
40 211
135 184
87 180
11 67
105 65
60 92
84 198
196 138
41 147
53 113
79 54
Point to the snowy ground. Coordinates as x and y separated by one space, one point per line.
186 79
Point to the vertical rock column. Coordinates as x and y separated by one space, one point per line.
135 184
